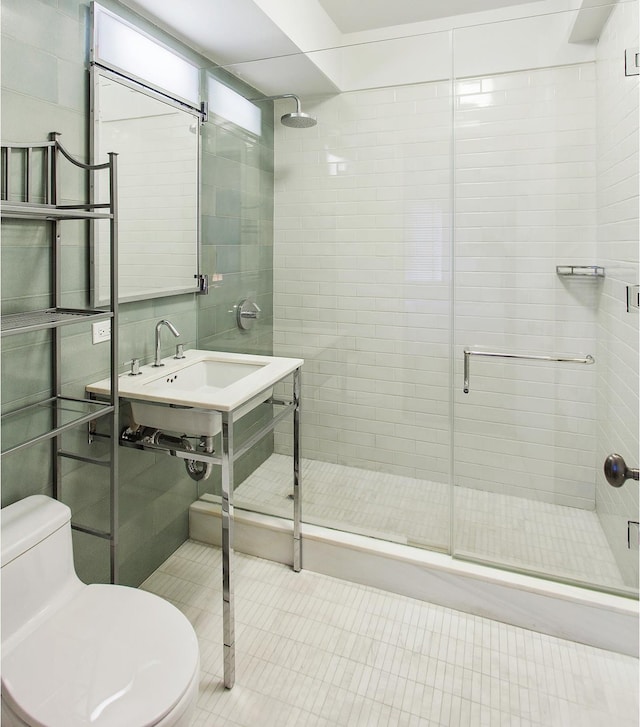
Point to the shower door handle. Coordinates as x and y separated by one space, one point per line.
588 359
617 472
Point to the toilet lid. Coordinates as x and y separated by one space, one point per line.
113 656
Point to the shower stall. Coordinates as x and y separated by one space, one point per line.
454 246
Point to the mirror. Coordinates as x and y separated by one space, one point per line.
157 141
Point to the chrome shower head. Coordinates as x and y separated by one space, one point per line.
296 119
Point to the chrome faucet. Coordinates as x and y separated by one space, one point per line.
173 330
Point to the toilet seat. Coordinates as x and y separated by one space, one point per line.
110 657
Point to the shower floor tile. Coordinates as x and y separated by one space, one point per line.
556 540
316 651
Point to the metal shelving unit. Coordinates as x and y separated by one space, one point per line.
30 190
15 323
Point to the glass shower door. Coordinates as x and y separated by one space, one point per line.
545 351
362 292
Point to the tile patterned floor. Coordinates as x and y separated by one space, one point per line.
564 542
314 651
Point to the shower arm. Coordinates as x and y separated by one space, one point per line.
279 96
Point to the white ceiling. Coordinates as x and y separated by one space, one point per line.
352 16
233 31
226 31
268 43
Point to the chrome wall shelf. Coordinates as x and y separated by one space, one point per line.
580 271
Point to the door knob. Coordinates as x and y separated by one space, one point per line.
617 472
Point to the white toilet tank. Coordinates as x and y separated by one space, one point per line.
38 574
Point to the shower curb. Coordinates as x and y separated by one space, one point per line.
597 619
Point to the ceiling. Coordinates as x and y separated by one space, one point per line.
226 31
350 15
270 44
233 31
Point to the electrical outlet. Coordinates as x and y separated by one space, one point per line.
101 331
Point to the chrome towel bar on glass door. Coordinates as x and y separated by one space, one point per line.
588 359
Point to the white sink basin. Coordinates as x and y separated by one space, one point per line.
188 395
203 377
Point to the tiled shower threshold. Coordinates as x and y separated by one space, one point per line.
579 614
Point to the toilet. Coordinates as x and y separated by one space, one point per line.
76 654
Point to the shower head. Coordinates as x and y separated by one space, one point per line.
296 119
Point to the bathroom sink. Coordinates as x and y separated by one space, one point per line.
202 378
188 395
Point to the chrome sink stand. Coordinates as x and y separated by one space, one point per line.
226 460
229 455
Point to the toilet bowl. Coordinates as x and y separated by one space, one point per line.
78 655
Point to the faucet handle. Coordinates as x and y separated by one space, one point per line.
180 351
247 313
135 367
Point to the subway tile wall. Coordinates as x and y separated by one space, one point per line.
362 276
45 88
618 375
52 94
363 280
525 201
237 230
237 254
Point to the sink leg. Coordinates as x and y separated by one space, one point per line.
297 474
228 616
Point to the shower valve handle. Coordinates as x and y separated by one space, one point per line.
617 472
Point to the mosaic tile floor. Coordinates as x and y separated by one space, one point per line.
560 541
314 651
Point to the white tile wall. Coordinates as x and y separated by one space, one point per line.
361 276
618 424
525 201
362 279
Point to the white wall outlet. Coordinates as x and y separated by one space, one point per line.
101 331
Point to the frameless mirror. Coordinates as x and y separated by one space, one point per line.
157 142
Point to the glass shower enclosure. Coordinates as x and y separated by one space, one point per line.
543 342
453 243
